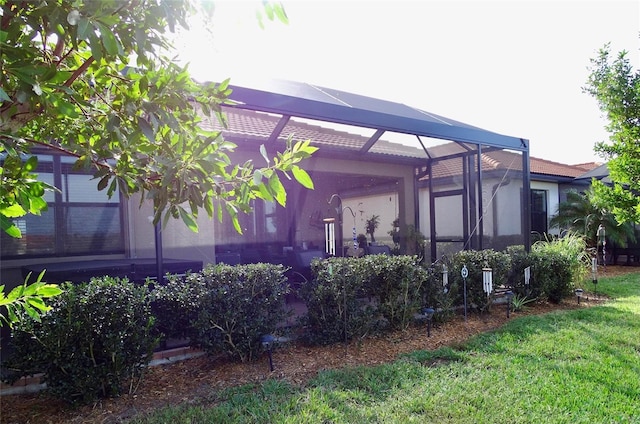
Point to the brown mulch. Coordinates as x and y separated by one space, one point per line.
197 380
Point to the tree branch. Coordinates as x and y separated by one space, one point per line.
81 70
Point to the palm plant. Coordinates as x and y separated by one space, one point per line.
580 214
372 225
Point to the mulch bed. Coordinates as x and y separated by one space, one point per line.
196 380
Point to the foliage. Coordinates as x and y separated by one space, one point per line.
438 296
519 302
520 259
549 368
337 305
559 264
362 240
96 337
415 241
27 299
371 225
616 87
241 303
581 214
475 261
175 305
376 293
395 231
571 246
95 80
396 283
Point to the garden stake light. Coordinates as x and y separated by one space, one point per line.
464 273
267 343
594 274
579 294
509 295
527 278
428 313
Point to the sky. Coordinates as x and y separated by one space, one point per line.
513 67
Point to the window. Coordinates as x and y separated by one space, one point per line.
539 223
80 220
264 224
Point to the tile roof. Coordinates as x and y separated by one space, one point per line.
258 126
547 167
245 125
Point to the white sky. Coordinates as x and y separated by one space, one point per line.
513 67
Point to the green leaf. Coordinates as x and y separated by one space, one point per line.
257 177
38 303
263 152
108 39
16 292
31 312
104 181
277 189
13 211
37 204
188 219
302 177
146 129
49 290
84 28
3 96
9 227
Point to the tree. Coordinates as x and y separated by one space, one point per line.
92 79
27 298
616 87
581 214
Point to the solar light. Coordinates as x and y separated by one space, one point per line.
464 272
509 295
594 274
428 313
578 294
267 343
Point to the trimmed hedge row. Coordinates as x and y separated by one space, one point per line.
100 335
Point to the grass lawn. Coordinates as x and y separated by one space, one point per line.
579 366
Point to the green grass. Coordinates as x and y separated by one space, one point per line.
580 366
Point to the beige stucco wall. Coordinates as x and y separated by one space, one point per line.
180 243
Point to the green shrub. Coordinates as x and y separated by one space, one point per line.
552 274
572 247
435 295
96 337
475 261
557 264
241 303
520 259
338 291
175 305
396 283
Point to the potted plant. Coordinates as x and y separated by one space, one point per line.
371 225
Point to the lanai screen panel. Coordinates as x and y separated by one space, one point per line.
502 199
